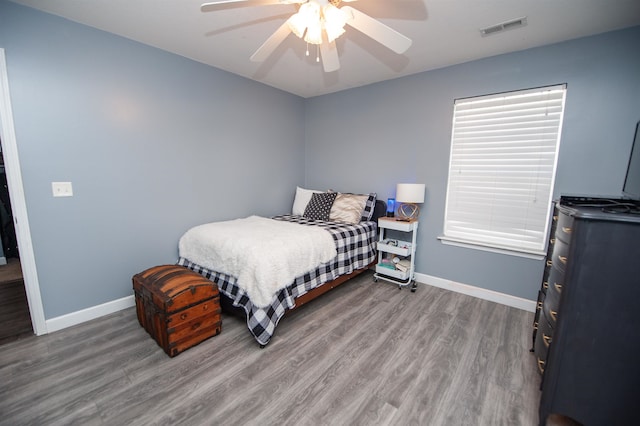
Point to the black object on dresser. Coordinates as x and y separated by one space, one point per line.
587 329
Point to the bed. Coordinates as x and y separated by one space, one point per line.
354 244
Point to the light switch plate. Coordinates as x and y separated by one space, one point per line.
62 189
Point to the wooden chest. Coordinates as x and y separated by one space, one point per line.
179 308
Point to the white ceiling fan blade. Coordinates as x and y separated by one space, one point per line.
329 53
378 31
272 43
229 4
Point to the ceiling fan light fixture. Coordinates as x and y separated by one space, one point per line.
312 18
307 14
319 22
298 25
334 21
314 33
334 32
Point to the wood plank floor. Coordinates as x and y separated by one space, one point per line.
14 309
363 354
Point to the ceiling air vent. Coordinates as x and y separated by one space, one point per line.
508 25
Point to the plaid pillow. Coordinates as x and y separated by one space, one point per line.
367 213
319 206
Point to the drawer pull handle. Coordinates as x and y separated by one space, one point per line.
541 365
555 218
535 325
205 307
549 262
554 315
539 305
545 285
566 229
563 259
552 241
546 339
558 287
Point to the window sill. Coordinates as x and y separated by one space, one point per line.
535 255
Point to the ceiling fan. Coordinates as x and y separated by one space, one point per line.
319 22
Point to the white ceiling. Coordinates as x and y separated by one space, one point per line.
444 32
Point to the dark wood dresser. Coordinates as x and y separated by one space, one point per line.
586 334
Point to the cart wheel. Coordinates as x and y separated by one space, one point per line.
375 279
414 287
399 287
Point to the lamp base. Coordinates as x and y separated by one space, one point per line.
408 212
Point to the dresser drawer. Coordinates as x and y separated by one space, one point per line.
555 282
550 308
538 312
552 242
536 318
552 298
559 257
564 228
544 336
545 278
552 233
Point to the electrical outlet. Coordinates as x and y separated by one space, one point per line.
62 189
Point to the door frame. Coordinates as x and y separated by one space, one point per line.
18 203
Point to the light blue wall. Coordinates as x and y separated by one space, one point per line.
155 143
400 131
152 142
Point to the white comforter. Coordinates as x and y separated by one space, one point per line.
265 255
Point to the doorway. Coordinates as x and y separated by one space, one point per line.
18 203
14 307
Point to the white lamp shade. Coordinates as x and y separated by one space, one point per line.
410 192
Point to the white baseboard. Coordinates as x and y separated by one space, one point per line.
88 314
481 293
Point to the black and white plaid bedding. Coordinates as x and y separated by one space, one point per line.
355 245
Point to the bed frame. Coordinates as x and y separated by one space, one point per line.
329 285
227 305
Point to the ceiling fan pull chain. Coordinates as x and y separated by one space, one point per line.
317 53
307 49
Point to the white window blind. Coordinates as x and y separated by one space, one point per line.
502 168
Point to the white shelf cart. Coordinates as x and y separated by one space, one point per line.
390 248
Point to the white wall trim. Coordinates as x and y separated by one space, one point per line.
19 204
88 314
481 293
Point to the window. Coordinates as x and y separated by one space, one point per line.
504 149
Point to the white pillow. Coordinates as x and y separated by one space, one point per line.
303 196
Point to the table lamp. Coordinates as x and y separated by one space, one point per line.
409 195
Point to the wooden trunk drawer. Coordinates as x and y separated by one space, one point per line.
179 308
